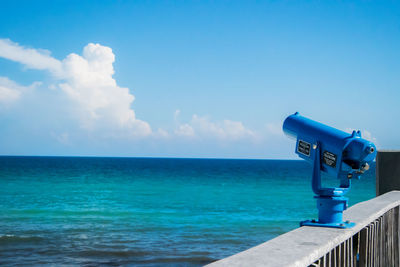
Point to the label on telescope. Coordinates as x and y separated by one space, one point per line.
329 159
304 148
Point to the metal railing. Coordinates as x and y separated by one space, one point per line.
375 245
373 241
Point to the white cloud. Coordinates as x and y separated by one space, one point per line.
99 103
97 100
31 58
202 127
226 129
10 91
185 130
176 115
87 81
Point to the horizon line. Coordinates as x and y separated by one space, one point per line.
144 157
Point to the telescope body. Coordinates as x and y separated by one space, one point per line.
341 153
335 152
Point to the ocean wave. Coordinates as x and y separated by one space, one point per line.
113 253
63 212
202 260
9 238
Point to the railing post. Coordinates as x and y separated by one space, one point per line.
387 171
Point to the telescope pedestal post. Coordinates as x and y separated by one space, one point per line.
330 213
330 201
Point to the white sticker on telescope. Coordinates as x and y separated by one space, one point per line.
330 159
304 148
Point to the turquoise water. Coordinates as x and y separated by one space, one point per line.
148 211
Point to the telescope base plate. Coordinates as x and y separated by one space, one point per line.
315 223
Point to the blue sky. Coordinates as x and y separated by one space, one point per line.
193 78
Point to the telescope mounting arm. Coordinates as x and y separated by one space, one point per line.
316 178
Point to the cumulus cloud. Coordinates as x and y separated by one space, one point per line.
225 130
176 114
10 91
87 81
185 130
99 103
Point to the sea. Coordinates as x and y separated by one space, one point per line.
92 211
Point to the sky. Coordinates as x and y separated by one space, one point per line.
212 79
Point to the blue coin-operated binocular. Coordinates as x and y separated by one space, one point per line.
334 152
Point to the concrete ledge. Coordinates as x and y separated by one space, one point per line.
304 245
